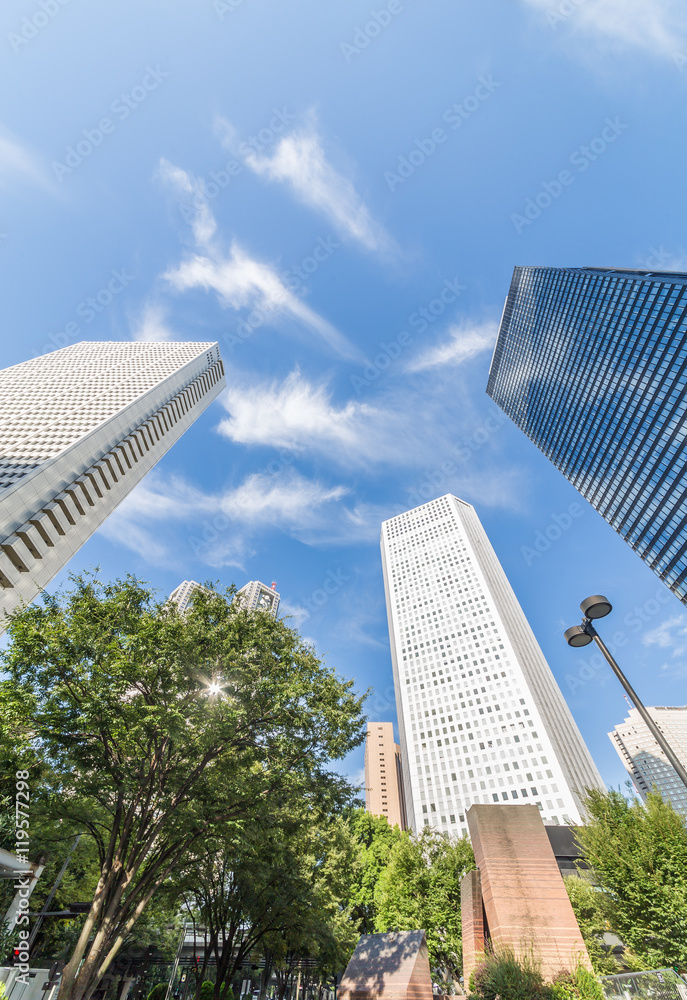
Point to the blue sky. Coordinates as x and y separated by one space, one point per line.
337 193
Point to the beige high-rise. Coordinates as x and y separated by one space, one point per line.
383 776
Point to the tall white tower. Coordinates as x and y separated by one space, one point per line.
79 428
645 760
480 715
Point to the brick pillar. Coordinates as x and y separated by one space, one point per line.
525 900
472 919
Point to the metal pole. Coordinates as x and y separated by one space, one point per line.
51 894
653 728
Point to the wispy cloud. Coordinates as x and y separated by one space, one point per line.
670 634
152 324
300 162
461 344
239 280
659 26
295 414
18 165
219 526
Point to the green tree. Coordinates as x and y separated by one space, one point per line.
638 853
375 839
280 882
595 913
420 890
160 730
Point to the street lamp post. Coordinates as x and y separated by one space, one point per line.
582 635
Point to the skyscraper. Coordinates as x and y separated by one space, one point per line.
591 363
79 428
257 596
480 715
384 774
182 594
644 759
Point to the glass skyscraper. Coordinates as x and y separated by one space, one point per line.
480 716
591 363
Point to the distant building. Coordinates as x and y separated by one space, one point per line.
480 715
383 774
256 596
644 759
591 364
183 593
79 428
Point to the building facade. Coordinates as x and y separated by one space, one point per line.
384 774
182 594
79 428
481 718
591 363
256 596
643 758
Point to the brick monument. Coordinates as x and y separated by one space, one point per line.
517 898
392 966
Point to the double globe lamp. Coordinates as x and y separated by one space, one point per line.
581 635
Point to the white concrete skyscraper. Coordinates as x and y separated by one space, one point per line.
645 760
79 428
481 718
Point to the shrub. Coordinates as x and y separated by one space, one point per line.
501 975
578 985
207 990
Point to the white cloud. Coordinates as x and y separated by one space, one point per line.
219 526
151 325
657 25
299 161
18 164
295 414
203 223
463 343
239 280
242 282
670 634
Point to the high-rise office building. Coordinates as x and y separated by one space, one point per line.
481 718
79 428
384 774
257 596
644 759
182 594
591 363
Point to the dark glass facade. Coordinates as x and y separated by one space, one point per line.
591 363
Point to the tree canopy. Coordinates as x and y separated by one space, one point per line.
420 890
159 730
639 856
